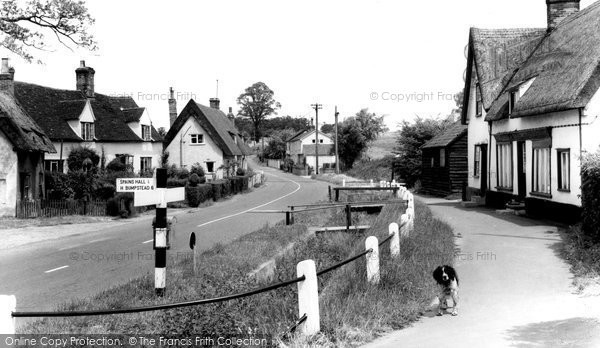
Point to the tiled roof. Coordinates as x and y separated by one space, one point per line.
20 129
51 108
447 137
216 124
324 149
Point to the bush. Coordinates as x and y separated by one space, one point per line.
81 183
240 172
175 182
197 169
198 194
590 189
104 190
194 180
79 155
113 205
220 189
57 186
176 172
116 166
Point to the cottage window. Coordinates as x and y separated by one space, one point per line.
146 134
314 141
514 98
197 138
87 131
505 170
541 170
51 166
442 157
145 164
477 161
478 103
564 169
210 167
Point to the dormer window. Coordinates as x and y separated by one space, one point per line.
87 131
513 99
146 134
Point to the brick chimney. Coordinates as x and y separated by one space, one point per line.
172 107
558 10
7 78
231 116
85 79
214 103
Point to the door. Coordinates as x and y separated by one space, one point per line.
521 170
484 169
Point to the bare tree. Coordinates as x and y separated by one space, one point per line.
25 26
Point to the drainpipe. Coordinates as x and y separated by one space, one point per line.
181 147
489 159
580 133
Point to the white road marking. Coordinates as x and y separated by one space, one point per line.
55 269
260 206
97 240
148 241
82 244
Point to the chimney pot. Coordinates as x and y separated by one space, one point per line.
172 107
85 79
558 10
7 74
82 63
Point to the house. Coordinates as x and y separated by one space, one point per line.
23 145
532 106
115 126
444 161
302 149
205 135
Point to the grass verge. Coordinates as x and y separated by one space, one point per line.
352 311
584 256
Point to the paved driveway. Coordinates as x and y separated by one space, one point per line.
515 289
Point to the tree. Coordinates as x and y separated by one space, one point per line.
356 133
277 146
257 103
458 99
162 131
410 139
328 128
26 25
82 158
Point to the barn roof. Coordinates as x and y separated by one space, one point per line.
448 137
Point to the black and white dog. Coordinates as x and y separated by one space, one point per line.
447 279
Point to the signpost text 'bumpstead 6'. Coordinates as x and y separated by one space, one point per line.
149 191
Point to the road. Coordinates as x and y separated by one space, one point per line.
46 273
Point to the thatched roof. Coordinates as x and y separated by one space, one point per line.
20 129
51 108
448 137
563 63
220 129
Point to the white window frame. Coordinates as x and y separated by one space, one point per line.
87 131
541 177
213 165
477 161
504 161
146 133
196 139
563 160
145 164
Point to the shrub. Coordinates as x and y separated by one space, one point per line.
590 186
194 180
176 172
58 187
113 205
116 166
221 188
81 183
240 172
197 169
197 194
104 190
79 155
175 182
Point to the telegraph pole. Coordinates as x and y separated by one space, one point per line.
337 156
317 107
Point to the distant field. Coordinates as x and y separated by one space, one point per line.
382 146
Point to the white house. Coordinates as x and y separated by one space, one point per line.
532 104
23 145
116 126
302 149
205 135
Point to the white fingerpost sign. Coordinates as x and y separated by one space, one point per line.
135 184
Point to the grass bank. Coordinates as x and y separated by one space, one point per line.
352 311
584 256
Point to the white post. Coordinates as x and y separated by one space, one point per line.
8 304
343 182
395 241
404 226
308 298
372 260
371 183
411 219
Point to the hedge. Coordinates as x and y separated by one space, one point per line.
590 195
198 194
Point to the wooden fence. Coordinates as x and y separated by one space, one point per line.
52 208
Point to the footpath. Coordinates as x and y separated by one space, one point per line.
515 289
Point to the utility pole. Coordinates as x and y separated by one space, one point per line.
337 156
317 107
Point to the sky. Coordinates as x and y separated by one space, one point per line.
396 58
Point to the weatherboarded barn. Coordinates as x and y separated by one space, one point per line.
444 166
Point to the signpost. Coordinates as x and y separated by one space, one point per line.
153 191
